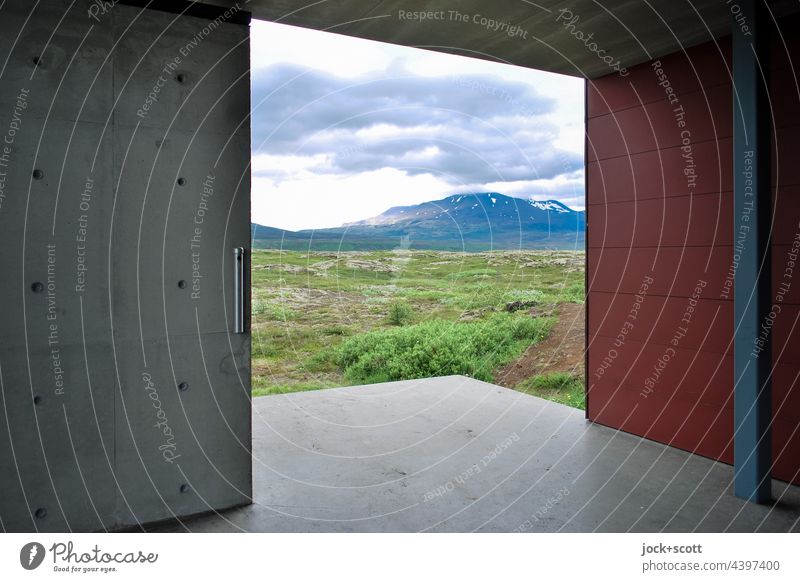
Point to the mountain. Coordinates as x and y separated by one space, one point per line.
472 222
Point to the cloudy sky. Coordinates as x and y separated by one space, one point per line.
345 128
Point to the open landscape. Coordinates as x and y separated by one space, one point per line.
326 319
482 221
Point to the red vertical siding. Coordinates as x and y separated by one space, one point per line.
660 245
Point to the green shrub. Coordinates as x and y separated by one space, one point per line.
575 293
376 300
477 296
523 295
474 274
263 347
439 348
561 387
432 295
266 310
400 313
335 330
321 361
264 386
373 290
490 295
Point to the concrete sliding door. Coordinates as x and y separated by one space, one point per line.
124 239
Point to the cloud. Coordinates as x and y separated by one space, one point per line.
463 128
344 128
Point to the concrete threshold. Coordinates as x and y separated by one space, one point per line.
454 454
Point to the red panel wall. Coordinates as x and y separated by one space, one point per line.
660 246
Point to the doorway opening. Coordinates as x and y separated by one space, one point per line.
415 214
401 273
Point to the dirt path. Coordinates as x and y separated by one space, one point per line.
562 351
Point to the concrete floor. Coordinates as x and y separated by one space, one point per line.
456 454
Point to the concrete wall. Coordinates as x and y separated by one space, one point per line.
661 252
101 194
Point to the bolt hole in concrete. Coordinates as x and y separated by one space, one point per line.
41 513
36 60
182 284
37 287
37 400
38 174
180 77
183 386
184 488
181 181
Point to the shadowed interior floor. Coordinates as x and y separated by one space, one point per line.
457 454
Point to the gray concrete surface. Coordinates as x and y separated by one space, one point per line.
456 454
530 34
98 224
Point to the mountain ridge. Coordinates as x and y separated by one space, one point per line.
471 221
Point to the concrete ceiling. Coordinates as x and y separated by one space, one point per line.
628 32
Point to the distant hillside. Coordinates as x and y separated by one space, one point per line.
470 222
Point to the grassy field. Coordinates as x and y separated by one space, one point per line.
325 319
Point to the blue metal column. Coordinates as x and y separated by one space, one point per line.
752 287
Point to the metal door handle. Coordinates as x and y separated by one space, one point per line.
238 290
